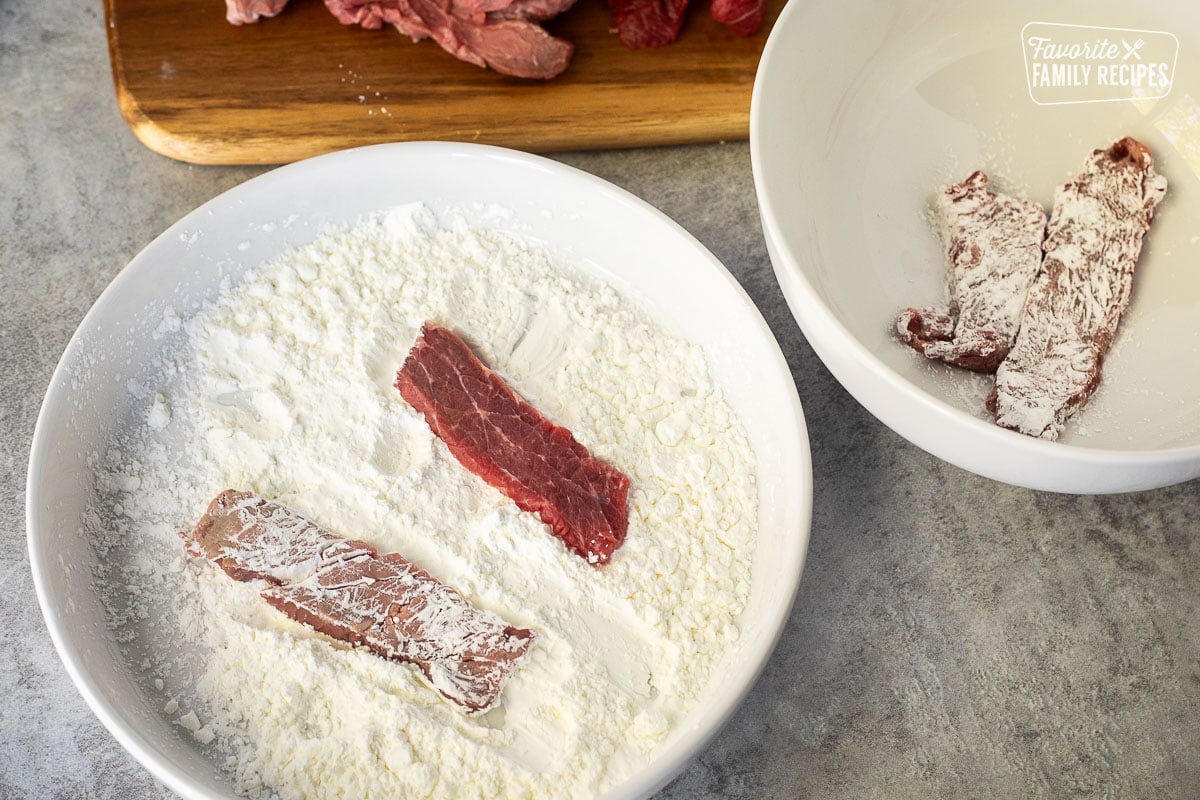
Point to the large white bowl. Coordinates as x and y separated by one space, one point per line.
861 112
608 230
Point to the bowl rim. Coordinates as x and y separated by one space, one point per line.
683 745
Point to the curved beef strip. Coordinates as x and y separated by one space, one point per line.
511 46
647 23
500 437
245 12
993 248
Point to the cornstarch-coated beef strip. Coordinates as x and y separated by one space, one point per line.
345 589
507 39
993 246
1071 315
504 440
743 17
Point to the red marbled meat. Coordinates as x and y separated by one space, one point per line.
504 37
245 12
345 589
501 34
743 17
993 248
500 437
647 23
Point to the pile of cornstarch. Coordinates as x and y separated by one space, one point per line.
283 386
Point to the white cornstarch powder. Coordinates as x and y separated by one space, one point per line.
284 387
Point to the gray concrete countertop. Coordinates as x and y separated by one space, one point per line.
952 637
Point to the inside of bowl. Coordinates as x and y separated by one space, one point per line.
139 317
91 400
921 96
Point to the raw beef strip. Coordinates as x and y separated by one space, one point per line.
993 246
370 14
647 23
244 12
504 440
1071 316
534 10
743 17
345 589
509 44
255 539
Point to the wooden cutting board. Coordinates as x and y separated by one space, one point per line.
195 88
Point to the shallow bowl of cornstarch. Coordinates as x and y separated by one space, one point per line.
1062 366
255 345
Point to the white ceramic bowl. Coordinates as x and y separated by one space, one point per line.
859 115
622 238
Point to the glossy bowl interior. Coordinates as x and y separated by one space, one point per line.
858 118
652 259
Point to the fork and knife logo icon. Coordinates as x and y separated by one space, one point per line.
1132 49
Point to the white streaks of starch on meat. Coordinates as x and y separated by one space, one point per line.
284 387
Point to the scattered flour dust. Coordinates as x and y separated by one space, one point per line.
283 386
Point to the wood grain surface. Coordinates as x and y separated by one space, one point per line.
195 88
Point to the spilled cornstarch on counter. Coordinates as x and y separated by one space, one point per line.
283 386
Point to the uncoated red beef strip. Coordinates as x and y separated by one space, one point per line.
504 440
743 17
345 589
500 34
505 37
535 10
993 248
654 23
1071 315
647 23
